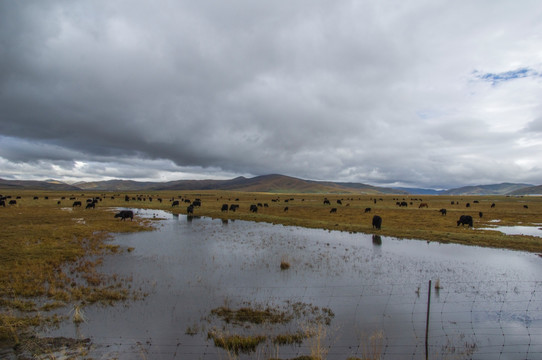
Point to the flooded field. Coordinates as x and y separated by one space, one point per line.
369 293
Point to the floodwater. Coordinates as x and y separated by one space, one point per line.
518 230
488 304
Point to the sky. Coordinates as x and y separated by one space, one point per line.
422 93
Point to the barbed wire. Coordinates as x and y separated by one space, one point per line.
478 320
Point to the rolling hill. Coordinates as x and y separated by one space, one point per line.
493 189
267 183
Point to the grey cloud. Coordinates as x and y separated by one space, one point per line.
371 92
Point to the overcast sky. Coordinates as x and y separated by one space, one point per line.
423 93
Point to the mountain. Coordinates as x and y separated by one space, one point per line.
36 185
267 183
273 183
420 191
529 190
493 189
120 185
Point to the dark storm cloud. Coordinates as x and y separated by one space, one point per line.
369 91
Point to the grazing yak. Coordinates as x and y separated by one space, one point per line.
253 208
465 220
367 210
175 203
190 210
377 222
224 207
76 203
125 214
333 210
443 211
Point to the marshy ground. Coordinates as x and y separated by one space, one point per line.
50 250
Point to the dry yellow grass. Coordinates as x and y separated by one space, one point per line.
42 260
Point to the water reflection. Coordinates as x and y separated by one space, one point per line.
190 267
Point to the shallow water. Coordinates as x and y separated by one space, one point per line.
517 230
488 297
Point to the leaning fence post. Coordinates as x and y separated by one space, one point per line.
427 322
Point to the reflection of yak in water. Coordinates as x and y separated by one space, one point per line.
465 220
377 222
377 240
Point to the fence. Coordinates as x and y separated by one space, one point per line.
478 320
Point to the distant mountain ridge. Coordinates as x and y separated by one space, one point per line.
273 183
493 189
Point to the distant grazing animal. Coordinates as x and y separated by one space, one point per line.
377 222
253 208
403 204
76 203
476 202
525 206
333 210
493 205
286 209
190 209
224 207
423 205
326 202
125 214
2 203
339 202
465 220
443 211
480 214
234 207
175 203
468 205
367 210
91 205
12 202
196 202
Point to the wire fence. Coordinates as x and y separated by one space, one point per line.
466 320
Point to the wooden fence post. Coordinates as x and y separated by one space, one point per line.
427 322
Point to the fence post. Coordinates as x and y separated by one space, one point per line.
427 322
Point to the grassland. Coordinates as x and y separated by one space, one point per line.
50 251
49 255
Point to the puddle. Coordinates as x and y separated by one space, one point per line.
488 297
517 230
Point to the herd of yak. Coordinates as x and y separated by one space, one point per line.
125 214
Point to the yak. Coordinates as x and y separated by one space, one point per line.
125 214
465 220
377 222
